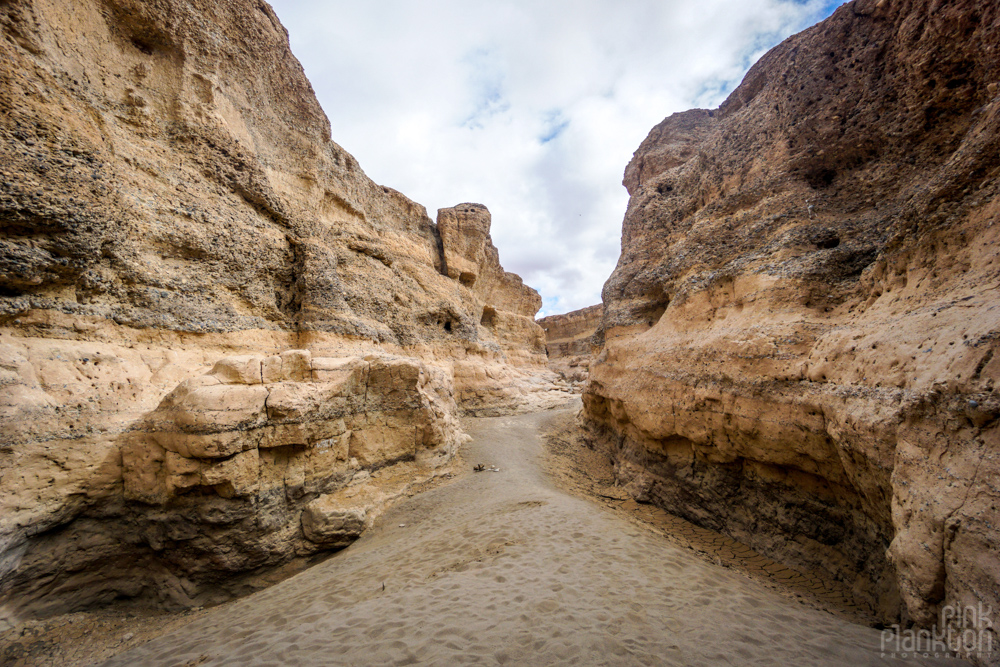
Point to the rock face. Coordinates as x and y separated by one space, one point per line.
254 464
195 284
156 175
470 257
308 417
503 310
801 335
569 341
571 334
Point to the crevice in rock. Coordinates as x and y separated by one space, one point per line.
652 307
289 293
442 262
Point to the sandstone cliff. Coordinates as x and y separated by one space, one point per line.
210 319
569 341
801 335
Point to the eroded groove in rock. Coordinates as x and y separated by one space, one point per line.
800 336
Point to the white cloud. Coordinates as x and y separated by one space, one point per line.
531 108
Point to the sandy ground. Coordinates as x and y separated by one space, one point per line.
584 469
509 568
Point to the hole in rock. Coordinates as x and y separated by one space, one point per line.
828 242
821 178
447 326
489 317
651 311
10 292
467 279
656 314
142 46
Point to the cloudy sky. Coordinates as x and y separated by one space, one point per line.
531 107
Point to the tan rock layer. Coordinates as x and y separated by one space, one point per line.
154 173
471 258
570 334
239 469
801 335
570 341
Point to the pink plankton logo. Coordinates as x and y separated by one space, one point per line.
962 632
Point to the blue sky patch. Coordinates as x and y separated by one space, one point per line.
555 124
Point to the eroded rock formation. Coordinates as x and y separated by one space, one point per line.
306 416
801 335
171 203
570 343
256 463
485 386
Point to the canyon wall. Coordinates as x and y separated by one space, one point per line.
570 343
216 333
800 338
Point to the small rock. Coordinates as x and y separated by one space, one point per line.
323 522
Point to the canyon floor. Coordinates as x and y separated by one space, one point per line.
540 562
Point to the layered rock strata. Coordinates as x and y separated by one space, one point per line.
570 343
801 335
257 463
307 416
485 384
169 198
155 175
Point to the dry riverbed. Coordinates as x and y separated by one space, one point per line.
510 567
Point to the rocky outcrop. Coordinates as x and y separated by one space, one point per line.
310 417
169 198
470 257
801 335
503 309
156 175
255 464
570 335
569 342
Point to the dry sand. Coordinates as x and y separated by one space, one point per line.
504 568
509 568
585 468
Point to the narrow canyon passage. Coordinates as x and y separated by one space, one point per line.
503 568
